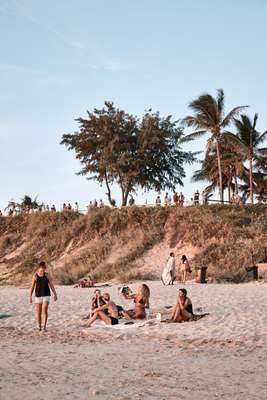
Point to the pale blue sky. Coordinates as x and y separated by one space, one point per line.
59 58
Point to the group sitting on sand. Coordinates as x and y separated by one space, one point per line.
106 310
102 307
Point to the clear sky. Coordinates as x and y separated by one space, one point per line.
60 58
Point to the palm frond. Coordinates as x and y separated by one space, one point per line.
261 138
220 101
193 136
205 106
230 139
255 119
231 115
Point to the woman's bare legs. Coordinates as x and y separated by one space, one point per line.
39 315
176 315
98 315
184 276
128 314
186 316
179 315
45 312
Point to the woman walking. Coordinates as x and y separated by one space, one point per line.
42 283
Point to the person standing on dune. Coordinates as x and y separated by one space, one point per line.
168 274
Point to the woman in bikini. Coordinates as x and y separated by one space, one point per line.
141 303
184 269
110 318
183 310
42 283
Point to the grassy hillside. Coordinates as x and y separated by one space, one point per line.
131 243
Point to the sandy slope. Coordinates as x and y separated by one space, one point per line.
224 355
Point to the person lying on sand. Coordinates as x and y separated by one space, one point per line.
111 318
42 282
183 310
141 302
85 283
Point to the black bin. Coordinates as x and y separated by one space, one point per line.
252 272
201 274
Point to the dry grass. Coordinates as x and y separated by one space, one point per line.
80 245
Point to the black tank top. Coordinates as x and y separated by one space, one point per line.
42 286
189 308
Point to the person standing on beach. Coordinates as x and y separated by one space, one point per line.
42 283
168 274
184 268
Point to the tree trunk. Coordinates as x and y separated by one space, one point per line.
109 191
235 177
229 188
251 180
219 170
125 194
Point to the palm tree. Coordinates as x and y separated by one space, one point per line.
259 185
231 165
209 117
27 203
250 139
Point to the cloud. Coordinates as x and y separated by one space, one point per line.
21 11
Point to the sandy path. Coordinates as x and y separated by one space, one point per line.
223 356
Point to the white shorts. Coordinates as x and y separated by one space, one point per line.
42 299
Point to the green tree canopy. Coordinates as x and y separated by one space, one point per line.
116 147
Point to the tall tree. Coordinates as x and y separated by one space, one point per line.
116 147
250 140
209 117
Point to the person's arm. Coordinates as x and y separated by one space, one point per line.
52 286
101 308
183 306
174 309
32 287
129 296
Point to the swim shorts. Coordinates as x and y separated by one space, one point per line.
42 299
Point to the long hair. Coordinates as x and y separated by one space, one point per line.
145 293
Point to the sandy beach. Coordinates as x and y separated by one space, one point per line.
223 355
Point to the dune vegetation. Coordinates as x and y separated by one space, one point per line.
132 242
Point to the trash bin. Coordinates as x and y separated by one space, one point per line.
252 272
201 274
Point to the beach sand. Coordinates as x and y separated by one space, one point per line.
221 356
